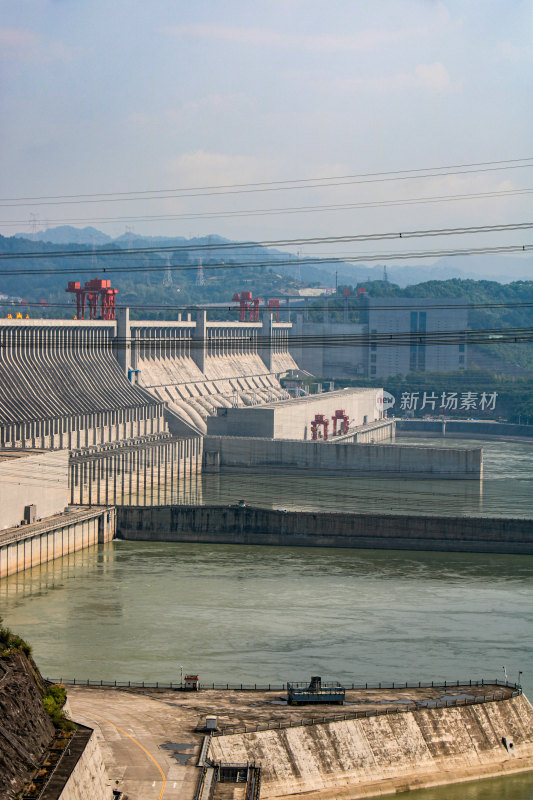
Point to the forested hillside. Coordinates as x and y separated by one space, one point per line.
159 283
141 278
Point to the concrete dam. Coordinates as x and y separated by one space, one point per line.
140 407
197 367
76 383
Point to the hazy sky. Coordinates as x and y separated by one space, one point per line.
129 95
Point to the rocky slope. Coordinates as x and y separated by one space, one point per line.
26 730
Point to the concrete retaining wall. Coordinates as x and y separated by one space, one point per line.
257 526
387 754
32 545
32 478
88 779
267 455
462 429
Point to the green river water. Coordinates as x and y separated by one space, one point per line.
139 610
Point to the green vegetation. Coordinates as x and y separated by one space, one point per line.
53 703
140 279
10 642
55 695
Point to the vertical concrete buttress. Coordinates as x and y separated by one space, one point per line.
265 344
123 340
199 342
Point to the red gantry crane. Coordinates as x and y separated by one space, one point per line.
89 294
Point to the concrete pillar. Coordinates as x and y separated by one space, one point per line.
265 346
198 349
123 340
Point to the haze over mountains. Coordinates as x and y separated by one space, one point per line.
502 269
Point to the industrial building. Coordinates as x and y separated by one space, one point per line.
311 417
396 335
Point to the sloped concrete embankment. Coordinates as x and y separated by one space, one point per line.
388 753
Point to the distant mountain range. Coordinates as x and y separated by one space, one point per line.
503 269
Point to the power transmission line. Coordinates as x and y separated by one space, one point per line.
272 183
317 240
285 210
347 261
277 186
384 339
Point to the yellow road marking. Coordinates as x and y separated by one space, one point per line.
145 751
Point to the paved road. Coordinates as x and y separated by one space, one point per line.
142 742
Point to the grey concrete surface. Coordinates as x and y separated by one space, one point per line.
291 419
260 526
32 477
405 461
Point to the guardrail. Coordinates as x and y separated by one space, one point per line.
279 687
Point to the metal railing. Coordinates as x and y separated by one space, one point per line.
280 687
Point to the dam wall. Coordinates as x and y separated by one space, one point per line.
197 367
259 526
76 383
387 753
135 471
235 453
62 387
57 536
